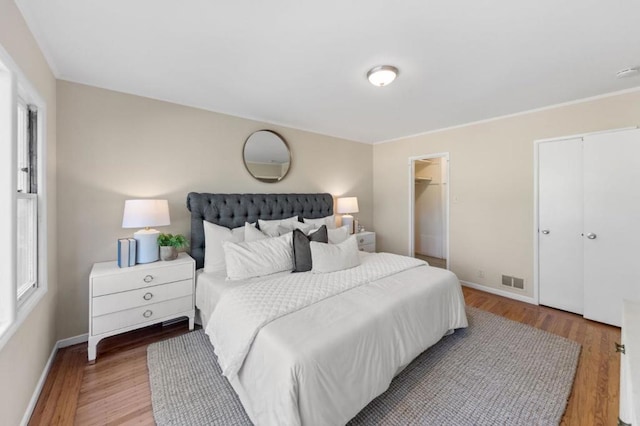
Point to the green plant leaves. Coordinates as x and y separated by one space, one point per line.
177 241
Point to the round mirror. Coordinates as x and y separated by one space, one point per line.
267 156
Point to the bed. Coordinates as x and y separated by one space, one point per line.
319 362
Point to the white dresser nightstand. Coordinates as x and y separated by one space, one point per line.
366 241
124 299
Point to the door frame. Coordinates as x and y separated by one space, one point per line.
412 195
536 215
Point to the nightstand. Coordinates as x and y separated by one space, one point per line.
124 299
366 241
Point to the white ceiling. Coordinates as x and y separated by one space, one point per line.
303 64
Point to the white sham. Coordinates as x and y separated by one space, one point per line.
334 257
258 258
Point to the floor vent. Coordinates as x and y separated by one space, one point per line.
518 283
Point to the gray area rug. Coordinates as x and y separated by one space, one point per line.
496 372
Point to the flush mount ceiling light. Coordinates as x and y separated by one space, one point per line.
628 72
382 75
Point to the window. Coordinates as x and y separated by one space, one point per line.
23 254
27 202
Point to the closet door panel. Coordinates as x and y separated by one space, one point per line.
560 224
611 224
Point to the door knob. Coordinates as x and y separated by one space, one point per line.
545 231
591 236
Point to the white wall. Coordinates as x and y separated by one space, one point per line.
23 358
491 184
114 146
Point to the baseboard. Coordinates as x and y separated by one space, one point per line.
497 291
82 338
36 393
63 343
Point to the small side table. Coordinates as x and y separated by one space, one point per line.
366 241
125 299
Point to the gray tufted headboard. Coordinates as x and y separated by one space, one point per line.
233 210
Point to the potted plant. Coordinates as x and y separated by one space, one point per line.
169 245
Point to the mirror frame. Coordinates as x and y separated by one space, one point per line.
286 145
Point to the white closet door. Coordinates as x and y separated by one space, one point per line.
611 224
560 224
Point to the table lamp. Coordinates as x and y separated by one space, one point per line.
346 206
146 214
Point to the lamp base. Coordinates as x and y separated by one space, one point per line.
347 220
147 249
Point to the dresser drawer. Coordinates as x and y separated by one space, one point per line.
110 303
140 278
369 248
366 238
141 315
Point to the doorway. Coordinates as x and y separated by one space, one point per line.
429 209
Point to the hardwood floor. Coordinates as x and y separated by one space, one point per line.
433 261
115 390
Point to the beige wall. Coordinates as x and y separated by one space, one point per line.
114 146
23 358
491 184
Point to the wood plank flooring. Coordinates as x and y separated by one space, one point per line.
433 261
115 390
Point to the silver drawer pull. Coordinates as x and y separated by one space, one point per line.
148 278
147 313
147 296
620 348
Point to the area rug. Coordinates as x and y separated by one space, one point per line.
496 372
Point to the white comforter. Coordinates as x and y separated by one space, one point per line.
321 364
250 307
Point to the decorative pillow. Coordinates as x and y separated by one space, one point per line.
258 258
290 226
251 233
301 250
329 221
270 227
338 235
334 257
214 236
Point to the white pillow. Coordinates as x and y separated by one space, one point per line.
251 233
338 235
214 235
270 227
334 257
330 221
259 258
283 228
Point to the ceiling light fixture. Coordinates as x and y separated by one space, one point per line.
382 75
628 72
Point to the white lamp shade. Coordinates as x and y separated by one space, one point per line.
347 205
145 213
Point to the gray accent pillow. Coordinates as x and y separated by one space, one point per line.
301 249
